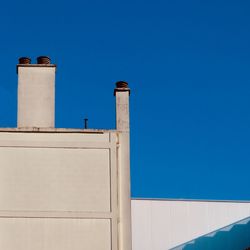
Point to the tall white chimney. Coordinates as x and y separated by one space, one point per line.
122 93
36 93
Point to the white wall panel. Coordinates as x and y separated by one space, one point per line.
53 137
54 234
54 179
163 224
58 191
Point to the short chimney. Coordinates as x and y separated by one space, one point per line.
36 93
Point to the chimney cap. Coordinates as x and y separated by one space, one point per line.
24 60
43 60
121 84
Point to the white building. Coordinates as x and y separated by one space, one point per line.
62 189
165 224
69 189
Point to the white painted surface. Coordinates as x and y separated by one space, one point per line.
163 224
54 179
122 109
53 137
124 196
36 96
58 191
54 234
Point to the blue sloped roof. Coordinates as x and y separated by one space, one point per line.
232 237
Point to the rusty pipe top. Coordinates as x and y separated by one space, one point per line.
24 60
43 60
121 84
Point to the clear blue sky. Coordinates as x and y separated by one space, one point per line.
188 66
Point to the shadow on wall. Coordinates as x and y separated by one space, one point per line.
232 237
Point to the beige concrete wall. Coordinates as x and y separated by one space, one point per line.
163 224
58 191
124 194
36 96
53 234
54 179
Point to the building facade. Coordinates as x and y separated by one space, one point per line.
69 189
62 189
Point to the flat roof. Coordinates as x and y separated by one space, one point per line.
57 130
190 200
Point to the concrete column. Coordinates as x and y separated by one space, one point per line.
36 93
124 196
